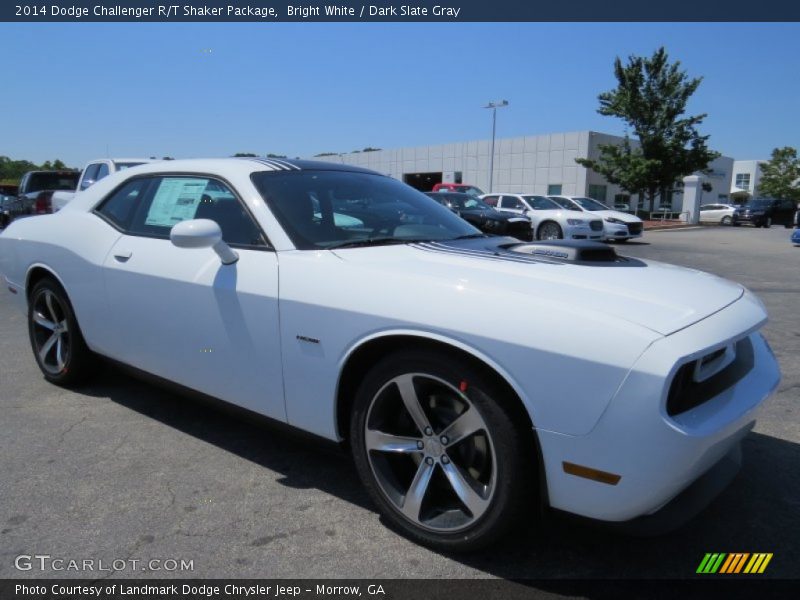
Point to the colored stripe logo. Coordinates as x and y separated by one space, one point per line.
735 562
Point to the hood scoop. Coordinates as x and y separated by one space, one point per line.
568 251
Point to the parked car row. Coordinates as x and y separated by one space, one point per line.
458 426
475 211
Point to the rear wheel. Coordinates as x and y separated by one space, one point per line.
726 220
767 223
438 451
550 231
56 339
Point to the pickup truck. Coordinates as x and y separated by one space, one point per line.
36 189
94 171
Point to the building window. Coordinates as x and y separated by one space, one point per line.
598 192
458 177
722 196
554 189
743 181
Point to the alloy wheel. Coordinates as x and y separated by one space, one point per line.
430 452
550 231
51 334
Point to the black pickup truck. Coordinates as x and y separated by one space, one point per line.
34 196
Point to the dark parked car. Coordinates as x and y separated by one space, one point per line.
765 212
484 217
35 193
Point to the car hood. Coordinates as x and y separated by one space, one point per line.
494 215
660 297
562 214
622 216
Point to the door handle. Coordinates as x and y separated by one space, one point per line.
123 255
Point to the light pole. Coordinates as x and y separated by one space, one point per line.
494 106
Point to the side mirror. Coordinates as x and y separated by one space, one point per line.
202 233
86 183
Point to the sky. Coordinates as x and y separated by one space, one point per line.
80 91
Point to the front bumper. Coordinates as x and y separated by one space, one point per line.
748 219
657 456
582 232
619 231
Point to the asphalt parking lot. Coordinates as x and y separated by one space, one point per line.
125 470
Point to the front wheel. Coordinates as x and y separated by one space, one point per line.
550 231
438 450
56 340
725 220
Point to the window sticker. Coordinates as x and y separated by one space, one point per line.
175 200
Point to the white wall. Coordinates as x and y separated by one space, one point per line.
521 164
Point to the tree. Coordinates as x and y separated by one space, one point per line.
244 154
780 176
651 97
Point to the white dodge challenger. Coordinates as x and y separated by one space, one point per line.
612 388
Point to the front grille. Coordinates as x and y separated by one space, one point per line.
634 228
596 225
685 393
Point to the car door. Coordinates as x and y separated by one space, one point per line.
708 213
180 313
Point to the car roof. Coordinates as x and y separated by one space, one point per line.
243 165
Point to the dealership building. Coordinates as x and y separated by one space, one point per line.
538 164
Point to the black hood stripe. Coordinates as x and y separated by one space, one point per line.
499 254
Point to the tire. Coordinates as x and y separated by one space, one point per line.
549 230
56 340
736 224
767 223
396 448
726 220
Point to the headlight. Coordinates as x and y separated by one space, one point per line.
575 221
615 220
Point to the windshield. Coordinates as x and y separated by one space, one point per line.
465 202
471 190
541 203
566 203
324 209
758 204
590 204
53 181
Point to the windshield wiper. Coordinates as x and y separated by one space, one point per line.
472 236
379 241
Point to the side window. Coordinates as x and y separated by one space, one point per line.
119 207
89 176
102 171
512 202
491 200
173 199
